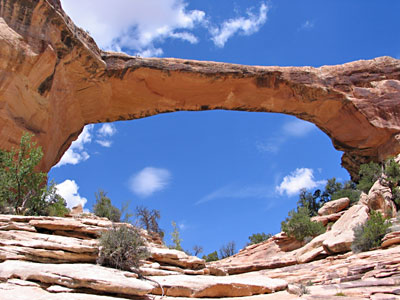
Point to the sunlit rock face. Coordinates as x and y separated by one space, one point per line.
54 80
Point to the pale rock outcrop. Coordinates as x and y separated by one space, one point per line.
334 206
341 236
328 218
276 252
55 80
380 199
76 276
217 287
176 258
338 239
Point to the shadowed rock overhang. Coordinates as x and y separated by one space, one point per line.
54 80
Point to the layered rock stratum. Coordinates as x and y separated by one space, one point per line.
54 80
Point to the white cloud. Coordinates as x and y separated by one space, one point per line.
307 25
104 132
298 179
235 192
246 26
292 129
104 143
69 191
76 152
149 181
298 128
140 26
134 24
107 130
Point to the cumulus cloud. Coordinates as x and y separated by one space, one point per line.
69 191
76 152
301 178
241 25
141 26
149 180
104 133
106 130
133 24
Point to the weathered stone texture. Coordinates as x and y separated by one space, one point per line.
54 80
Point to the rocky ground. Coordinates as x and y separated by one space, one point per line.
55 258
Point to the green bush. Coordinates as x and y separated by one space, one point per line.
104 208
369 173
24 190
256 238
213 256
299 225
370 234
122 248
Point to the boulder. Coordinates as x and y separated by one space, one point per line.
74 276
334 206
380 199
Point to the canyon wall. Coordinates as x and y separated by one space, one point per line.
54 80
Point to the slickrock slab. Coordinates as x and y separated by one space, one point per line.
334 206
176 258
273 253
216 287
11 291
16 226
65 224
46 241
328 218
341 236
283 295
338 239
44 256
392 238
75 276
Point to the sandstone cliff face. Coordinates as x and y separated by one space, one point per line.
54 80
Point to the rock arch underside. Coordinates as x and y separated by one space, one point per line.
54 80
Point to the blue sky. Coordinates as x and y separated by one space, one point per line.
220 175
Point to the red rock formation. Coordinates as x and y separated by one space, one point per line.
54 80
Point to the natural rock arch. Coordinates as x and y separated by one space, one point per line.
54 80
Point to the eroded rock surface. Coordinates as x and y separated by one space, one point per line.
54 80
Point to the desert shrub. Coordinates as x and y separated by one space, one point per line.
122 248
256 238
370 234
104 208
299 225
57 207
369 173
24 190
227 250
213 256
